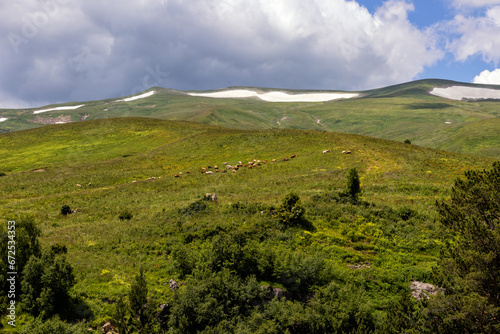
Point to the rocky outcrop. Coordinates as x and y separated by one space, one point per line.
173 285
107 328
420 290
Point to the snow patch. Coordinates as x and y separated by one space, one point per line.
462 92
58 108
60 123
278 96
137 97
3 119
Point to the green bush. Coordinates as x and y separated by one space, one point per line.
46 284
195 207
55 325
125 215
298 272
217 300
65 210
183 261
234 253
291 212
26 240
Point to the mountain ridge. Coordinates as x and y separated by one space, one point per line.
399 112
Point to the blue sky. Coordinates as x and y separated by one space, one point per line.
55 51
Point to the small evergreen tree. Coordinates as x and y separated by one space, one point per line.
121 316
142 309
353 184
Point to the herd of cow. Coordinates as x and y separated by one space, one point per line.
226 167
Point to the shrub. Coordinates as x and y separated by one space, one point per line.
353 187
55 325
233 252
407 141
125 215
195 207
59 249
406 213
27 235
183 261
65 210
219 299
298 272
290 212
46 284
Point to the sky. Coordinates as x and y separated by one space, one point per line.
56 51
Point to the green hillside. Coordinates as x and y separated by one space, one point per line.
109 170
401 112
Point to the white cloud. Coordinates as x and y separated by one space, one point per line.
475 3
84 50
477 35
487 77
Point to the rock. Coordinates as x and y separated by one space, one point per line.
173 285
274 292
420 290
278 293
162 316
107 328
359 265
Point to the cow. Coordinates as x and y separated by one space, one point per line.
211 196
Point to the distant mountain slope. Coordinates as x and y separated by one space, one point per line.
400 112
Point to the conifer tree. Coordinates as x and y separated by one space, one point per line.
470 265
353 184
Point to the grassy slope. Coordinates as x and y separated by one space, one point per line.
105 156
398 112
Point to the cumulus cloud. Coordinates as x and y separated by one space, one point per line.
487 77
62 50
477 35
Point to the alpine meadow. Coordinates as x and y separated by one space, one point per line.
179 212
